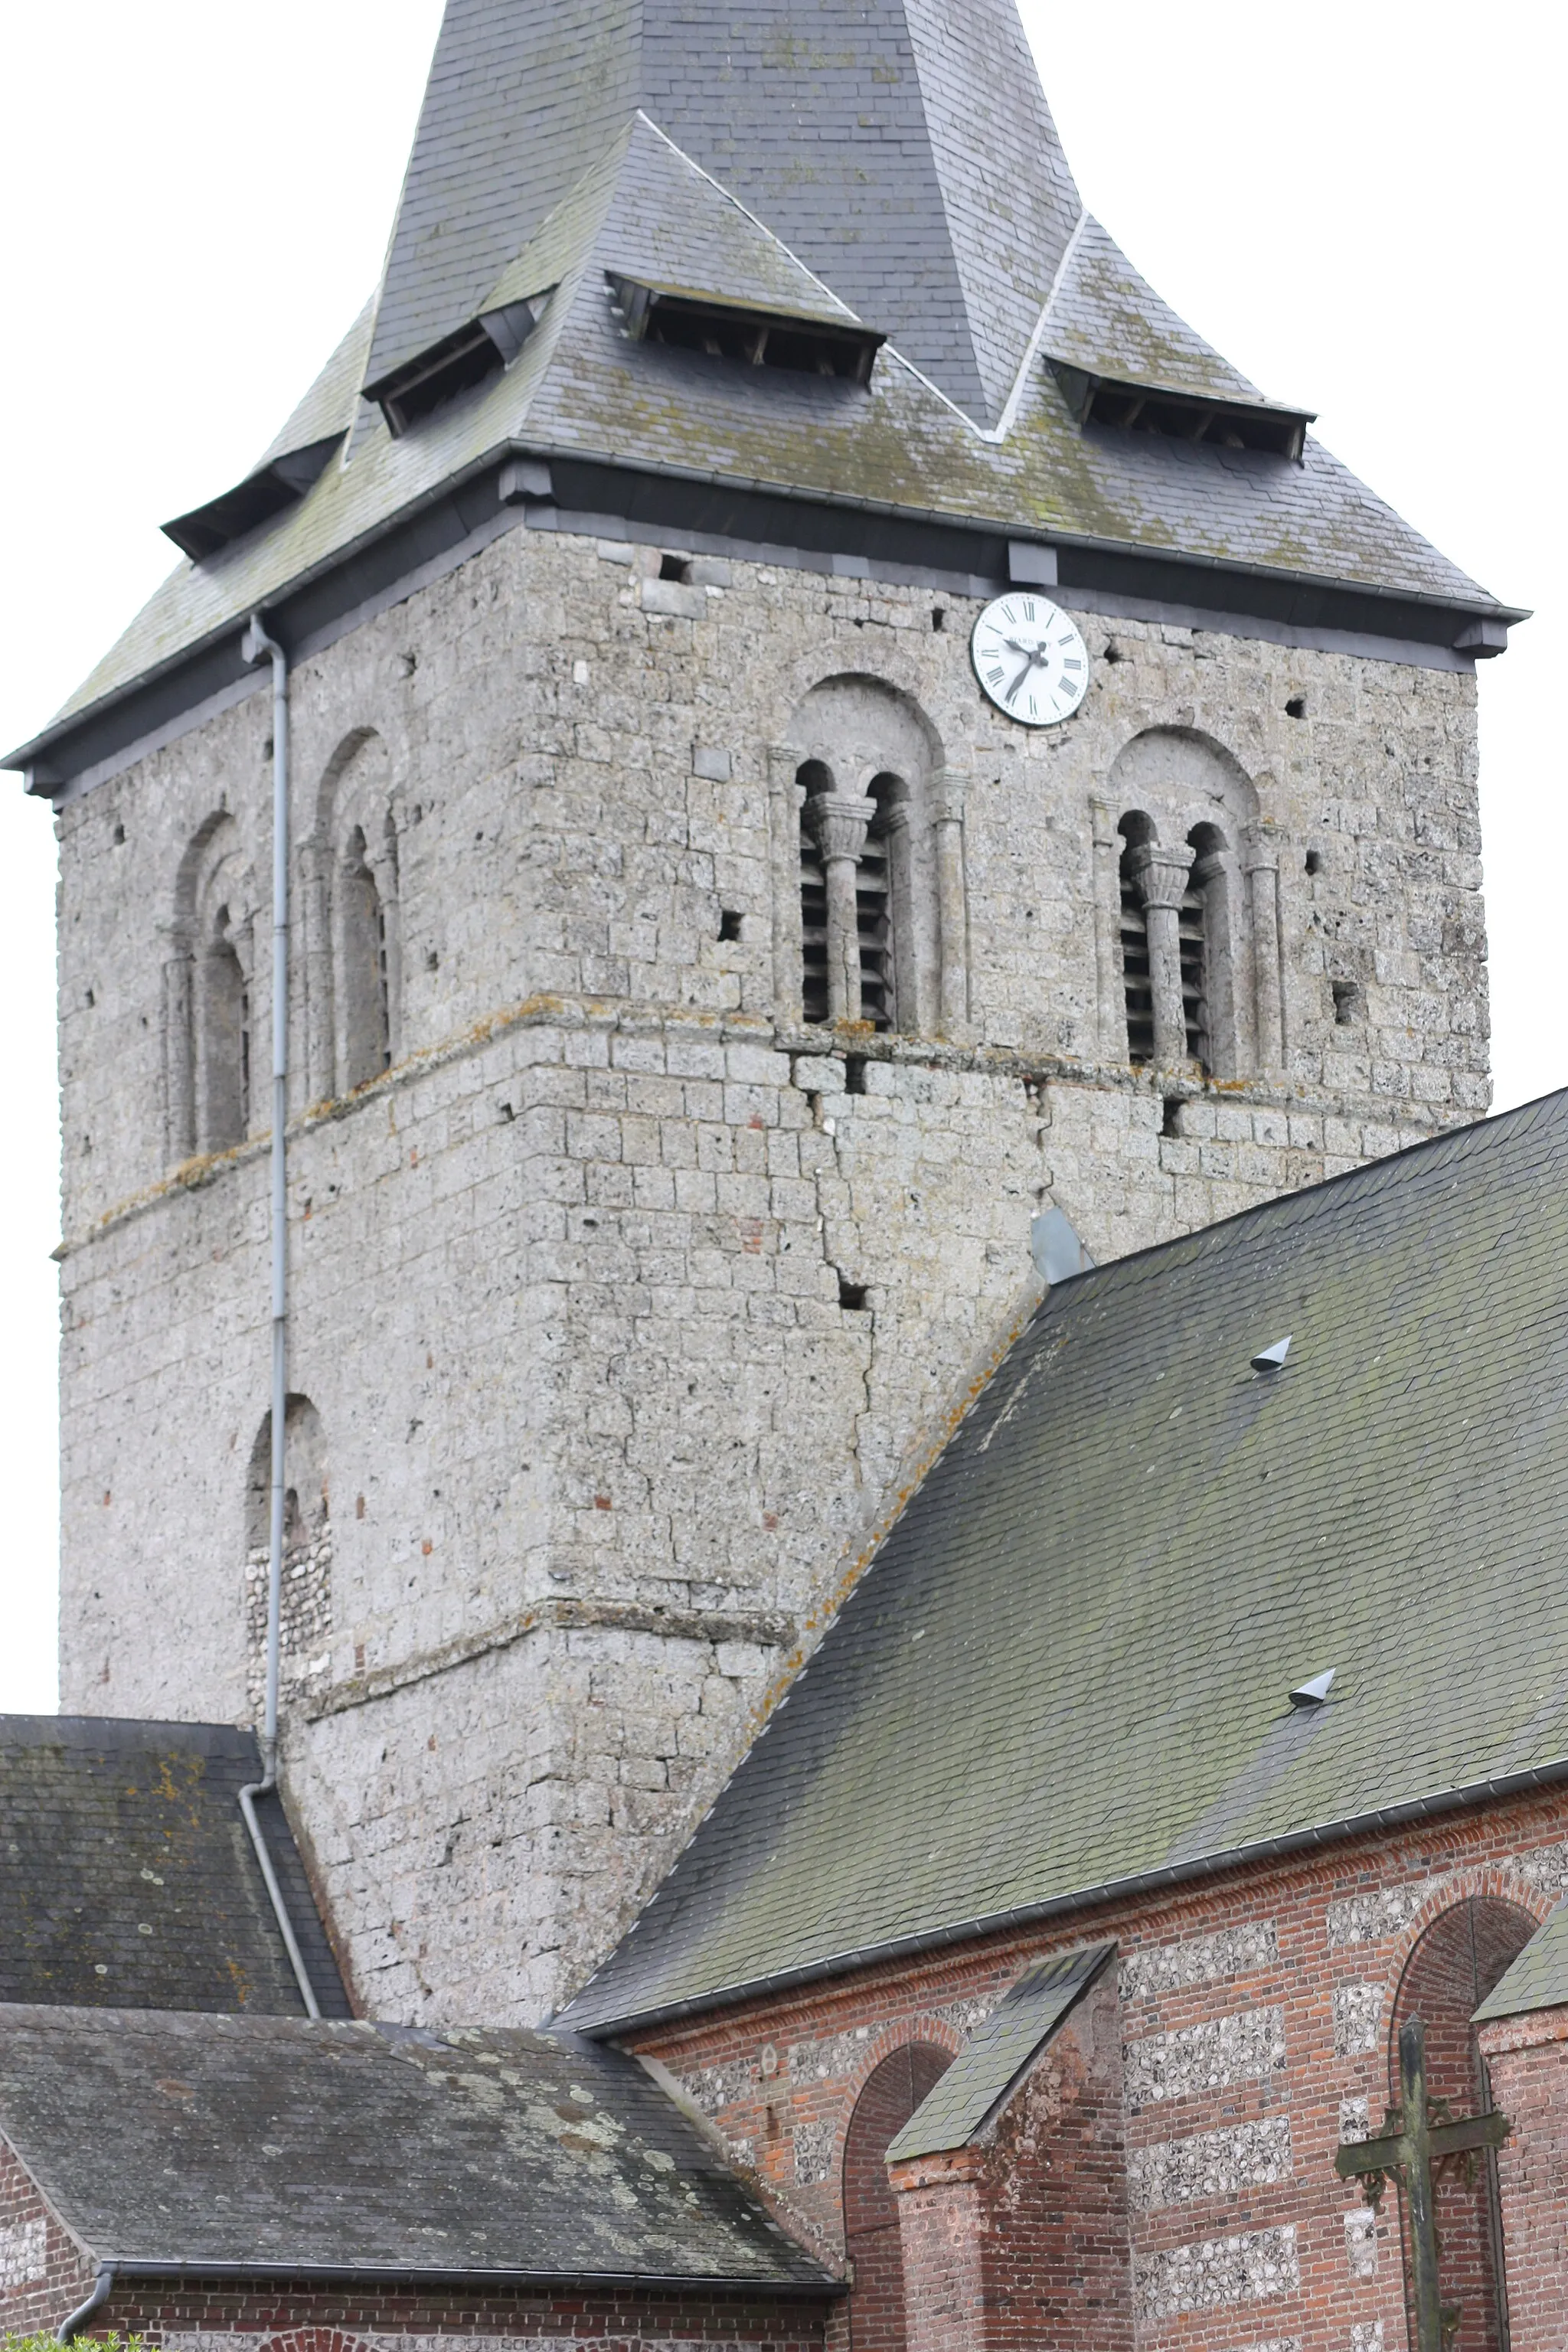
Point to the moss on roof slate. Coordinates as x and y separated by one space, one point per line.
1069 1665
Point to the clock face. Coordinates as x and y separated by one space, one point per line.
1029 659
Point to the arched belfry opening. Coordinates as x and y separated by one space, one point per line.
1195 919
881 936
1456 1962
878 2319
352 951
209 992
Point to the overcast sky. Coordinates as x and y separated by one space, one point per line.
1360 204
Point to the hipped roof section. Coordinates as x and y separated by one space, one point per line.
232 2142
1068 1669
893 164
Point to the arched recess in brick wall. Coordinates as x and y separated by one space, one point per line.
353 952
891 2095
307 1610
209 992
1454 1965
1187 911
868 821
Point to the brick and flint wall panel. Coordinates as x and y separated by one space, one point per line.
1239 2080
43 2273
600 1439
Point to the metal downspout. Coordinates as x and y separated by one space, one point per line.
257 646
102 2287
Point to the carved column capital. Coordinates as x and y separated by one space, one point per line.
949 787
1163 874
840 822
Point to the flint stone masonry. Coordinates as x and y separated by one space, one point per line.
24 2253
1202 2057
1217 2271
1358 2020
1372 1918
1210 2163
567 1278
1361 2241
1199 1960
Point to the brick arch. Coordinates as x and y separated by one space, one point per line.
887 2097
1461 1885
1451 1965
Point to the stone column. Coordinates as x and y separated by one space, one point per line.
949 786
383 874
1162 880
179 1055
1211 874
786 801
1263 895
1111 1001
907 1008
840 822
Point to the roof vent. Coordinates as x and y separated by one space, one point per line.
1314 1692
1269 1359
1233 423
799 341
273 488
456 364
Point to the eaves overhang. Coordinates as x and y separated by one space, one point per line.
1186 1872
433 2281
832 527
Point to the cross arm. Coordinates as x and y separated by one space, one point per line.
1471 2131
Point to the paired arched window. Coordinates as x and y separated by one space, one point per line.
209 993
878 821
353 961
1195 916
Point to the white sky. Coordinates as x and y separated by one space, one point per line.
1360 204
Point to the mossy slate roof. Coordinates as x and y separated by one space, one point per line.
891 159
129 1878
1538 1978
1067 1669
234 2142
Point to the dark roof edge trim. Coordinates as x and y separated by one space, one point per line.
472 2282
119 1731
1111 564
1056 1906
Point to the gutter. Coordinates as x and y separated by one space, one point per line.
1056 1906
31 753
103 2288
329 2274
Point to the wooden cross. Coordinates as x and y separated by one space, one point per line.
1418 2138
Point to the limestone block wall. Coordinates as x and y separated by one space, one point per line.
627 1304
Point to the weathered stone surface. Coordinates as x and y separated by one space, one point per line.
1239 2048
1198 1960
1210 2163
625 1308
1247 2268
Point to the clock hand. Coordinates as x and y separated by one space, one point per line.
1023 674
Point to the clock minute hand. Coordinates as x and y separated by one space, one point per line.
1023 674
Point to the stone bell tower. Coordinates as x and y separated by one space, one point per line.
708 975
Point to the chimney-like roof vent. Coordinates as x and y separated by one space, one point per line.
1313 1693
1269 1359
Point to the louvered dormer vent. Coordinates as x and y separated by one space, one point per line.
281 483
794 340
457 364
1183 416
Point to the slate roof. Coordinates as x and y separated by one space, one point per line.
997 2053
894 160
129 1879
1538 1978
1067 1669
277 2144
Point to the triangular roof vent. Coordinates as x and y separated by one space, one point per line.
1313 1693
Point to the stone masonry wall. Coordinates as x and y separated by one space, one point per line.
1237 2084
630 1307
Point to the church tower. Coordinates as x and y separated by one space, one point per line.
828 727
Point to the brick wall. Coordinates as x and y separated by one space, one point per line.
284 2317
1528 2059
43 2273
1254 2035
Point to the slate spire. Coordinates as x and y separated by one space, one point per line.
902 149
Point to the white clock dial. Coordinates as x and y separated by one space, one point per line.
1029 659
